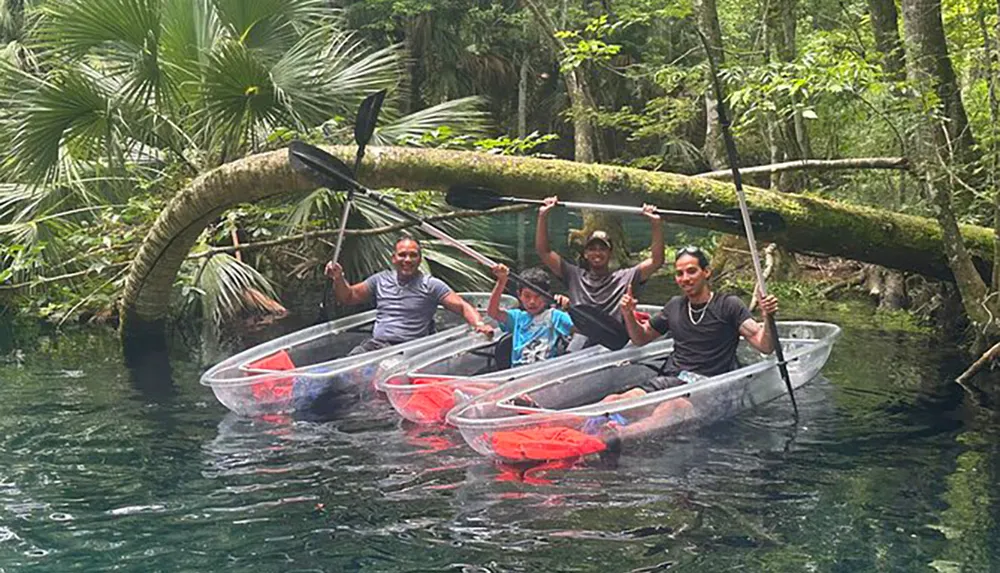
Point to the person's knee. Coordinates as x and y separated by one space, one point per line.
633 393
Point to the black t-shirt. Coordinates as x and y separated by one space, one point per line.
709 347
602 291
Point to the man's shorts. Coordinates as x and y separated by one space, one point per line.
660 383
370 345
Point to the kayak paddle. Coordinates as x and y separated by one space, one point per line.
734 164
478 198
329 171
364 127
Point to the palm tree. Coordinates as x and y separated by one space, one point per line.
127 100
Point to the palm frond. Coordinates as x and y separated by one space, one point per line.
237 94
351 72
66 109
300 85
464 116
319 205
191 30
124 33
270 24
225 283
456 269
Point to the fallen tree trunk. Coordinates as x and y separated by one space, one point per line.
893 240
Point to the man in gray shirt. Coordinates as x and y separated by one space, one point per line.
597 284
405 298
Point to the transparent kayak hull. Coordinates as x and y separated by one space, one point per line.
311 368
559 413
430 384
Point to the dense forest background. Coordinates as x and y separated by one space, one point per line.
112 106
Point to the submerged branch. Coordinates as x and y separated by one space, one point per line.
983 360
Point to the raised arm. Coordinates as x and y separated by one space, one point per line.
346 293
456 304
655 261
549 257
493 308
757 334
640 333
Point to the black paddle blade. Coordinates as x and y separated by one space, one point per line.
364 124
598 326
473 197
320 166
762 221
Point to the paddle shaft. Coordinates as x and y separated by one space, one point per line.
364 125
344 212
439 234
624 209
734 165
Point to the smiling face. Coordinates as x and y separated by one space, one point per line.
691 277
597 255
406 258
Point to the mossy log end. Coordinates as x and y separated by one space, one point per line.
813 225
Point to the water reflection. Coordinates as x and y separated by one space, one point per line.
891 467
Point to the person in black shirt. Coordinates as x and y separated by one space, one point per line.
706 326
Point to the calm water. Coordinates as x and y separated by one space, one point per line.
891 468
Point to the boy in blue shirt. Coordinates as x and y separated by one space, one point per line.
539 332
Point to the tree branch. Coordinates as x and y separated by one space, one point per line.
244 247
983 360
815 165
44 280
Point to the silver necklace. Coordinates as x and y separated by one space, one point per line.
701 313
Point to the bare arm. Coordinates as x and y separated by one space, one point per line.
759 335
549 258
455 304
655 261
639 333
344 292
493 308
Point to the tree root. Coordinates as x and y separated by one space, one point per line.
851 281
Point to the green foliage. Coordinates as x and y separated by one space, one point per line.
122 102
589 45
505 145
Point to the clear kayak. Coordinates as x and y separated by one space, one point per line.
430 384
312 367
559 413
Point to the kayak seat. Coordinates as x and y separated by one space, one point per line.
273 388
503 351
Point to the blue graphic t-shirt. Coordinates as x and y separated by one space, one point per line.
536 337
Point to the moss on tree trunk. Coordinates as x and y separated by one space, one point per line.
813 225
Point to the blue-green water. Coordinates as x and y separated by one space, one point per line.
891 468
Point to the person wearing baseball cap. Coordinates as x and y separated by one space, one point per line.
597 284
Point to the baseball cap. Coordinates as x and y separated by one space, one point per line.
600 237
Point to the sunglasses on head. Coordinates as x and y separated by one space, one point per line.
695 252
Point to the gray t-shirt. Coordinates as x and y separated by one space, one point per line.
709 347
404 311
602 291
